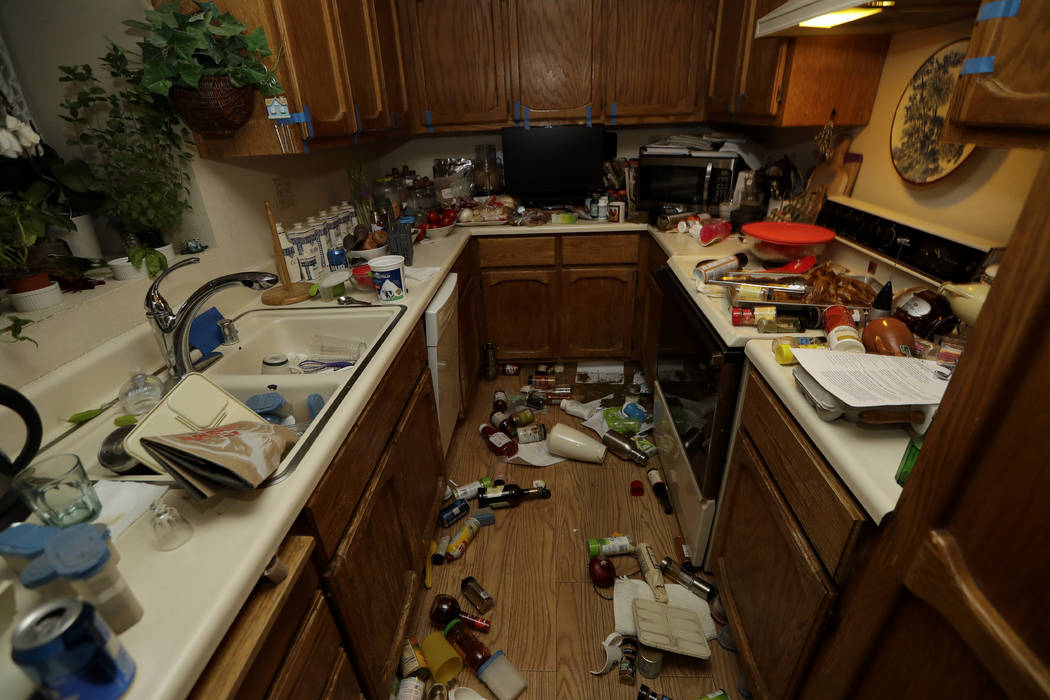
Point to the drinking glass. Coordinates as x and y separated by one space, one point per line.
58 491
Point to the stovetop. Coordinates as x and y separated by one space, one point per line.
921 247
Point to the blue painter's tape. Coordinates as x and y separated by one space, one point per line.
357 118
426 119
980 64
739 101
517 112
525 113
612 112
998 9
588 115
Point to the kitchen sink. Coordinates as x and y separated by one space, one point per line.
291 332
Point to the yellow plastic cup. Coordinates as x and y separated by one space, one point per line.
445 664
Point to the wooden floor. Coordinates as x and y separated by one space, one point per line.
548 618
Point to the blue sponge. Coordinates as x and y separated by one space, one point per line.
204 331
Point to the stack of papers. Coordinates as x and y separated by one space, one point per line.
867 381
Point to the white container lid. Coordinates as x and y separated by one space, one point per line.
386 263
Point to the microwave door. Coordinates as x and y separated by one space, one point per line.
707 183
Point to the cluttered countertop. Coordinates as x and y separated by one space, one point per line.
191 594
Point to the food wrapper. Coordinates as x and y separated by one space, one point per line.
238 455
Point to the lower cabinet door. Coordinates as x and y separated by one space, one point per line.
314 655
776 591
520 312
597 311
342 684
372 579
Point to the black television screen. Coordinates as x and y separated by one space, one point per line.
553 164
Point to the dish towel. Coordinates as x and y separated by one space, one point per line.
124 501
420 274
627 589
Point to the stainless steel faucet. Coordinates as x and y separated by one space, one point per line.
172 330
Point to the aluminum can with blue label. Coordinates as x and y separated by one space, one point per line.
69 652
453 512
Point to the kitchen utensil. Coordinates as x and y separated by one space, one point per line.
781 242
286 292
797 267
835 174
58 490
966 299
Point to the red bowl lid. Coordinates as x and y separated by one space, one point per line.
789 233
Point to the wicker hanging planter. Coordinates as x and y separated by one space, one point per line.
216 107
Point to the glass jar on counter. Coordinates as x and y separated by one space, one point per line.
387 188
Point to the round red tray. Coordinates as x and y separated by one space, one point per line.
788 233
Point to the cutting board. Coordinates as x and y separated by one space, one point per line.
835 174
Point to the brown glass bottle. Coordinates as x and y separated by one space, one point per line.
497 442
499 401
503 422
445 609
467 645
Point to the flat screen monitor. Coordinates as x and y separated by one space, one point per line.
553 165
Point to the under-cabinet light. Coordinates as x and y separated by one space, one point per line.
834 19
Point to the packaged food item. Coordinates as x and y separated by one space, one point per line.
842 331
782 347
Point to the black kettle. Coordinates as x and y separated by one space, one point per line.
11 507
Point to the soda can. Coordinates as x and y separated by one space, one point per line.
67 650
453 512
509 369
337 259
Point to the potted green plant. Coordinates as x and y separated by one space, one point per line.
136 148
24 218
207 62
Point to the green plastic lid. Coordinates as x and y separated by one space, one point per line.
593 548
486 482
449 626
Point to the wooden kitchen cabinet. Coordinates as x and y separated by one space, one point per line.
654 63
554 58
650 303
1010 105
459 60
521 312
315 655
796 81
372 59
597 311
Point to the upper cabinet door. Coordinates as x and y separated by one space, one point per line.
459 50
1016 92
313 46
361 61
388 26
724 70
763 67
554 57
654 58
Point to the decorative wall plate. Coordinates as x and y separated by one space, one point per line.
917 152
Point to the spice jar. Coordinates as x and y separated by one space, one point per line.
842 331
467 645
445 609
477 595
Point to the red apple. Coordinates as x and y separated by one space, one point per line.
603 573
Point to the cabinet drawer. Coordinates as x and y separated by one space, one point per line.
332 504
599 249
830 516
259 638
516 251
314 655
776 592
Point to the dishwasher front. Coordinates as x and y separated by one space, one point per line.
441 323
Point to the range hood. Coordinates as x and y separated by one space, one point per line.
885 17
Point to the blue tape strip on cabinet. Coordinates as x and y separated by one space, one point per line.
612 112
998 9
517 112
739 101
525 114
980 64
426 120
588 115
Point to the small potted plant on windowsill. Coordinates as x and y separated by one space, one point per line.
207 63
24 218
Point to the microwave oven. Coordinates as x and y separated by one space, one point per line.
698 181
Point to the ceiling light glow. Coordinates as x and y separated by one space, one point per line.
834 19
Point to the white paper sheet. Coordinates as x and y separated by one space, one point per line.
863 381
536 454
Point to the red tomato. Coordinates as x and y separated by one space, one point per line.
422 231
448 218
434 217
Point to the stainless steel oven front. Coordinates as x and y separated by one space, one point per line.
695 392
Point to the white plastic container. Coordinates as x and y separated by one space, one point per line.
388 272
499 674
43 298
569 442
168 251
332 285
81 555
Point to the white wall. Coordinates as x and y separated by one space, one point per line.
983 197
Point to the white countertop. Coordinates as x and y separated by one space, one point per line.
865 457
191 595
549 229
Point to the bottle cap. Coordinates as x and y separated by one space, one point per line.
26 539
593 548
636 488
484 516
449 626
37 573
466 582
78 552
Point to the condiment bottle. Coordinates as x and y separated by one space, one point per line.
501 420
926 313
660 489
462 540
841 330
490 361
577 409
537 432
445 609
628 660
467 645
522 415
497 442
697 587
499 401
714 268
610 546
542 381
412 663
468 491
476 594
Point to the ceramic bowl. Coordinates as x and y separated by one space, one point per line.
368 254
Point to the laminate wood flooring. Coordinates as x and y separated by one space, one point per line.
548 619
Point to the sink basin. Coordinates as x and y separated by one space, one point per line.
290 332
